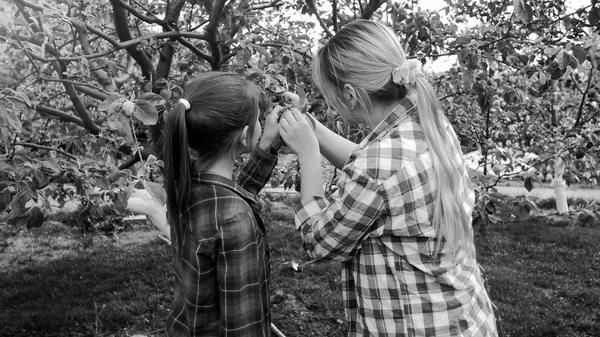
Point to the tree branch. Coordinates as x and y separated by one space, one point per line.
104 78
587 89
334 16
44 110
281 45
264 5
145 18
211 32
123 45
61 80
36 146
371 8
122 27
313 8
91 92
60 67
168 50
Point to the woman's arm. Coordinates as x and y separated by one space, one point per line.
334 147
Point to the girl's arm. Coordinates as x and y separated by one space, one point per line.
257 171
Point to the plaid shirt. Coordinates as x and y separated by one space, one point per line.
379 224
222 264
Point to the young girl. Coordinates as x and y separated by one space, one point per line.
400 220
220 248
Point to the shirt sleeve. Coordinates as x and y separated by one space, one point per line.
240 280
257 171
335 229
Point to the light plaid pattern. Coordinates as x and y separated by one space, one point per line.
222 264
379 225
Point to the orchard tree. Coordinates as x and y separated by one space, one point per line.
85 84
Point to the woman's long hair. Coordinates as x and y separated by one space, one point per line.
364 54
221 105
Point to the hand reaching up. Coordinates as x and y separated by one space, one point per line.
297 132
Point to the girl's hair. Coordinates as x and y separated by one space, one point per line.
364 54
221 105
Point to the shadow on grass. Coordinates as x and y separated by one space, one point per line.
94 293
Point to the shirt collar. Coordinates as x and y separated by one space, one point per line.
218 180
392 120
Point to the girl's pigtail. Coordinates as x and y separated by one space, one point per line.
450 218
177 166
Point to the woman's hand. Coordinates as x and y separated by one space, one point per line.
271 129
298 135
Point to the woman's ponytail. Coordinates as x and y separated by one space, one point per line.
450 218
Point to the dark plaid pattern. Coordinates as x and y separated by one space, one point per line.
379 224
222 264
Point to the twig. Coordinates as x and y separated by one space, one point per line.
587 89
36 146
74 83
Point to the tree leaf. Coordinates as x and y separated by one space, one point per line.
116 121
35 218
152 98
528 184
146 112
157 192
594 16
579 53
108 102
13 120
102 183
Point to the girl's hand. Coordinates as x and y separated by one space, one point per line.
271 129
298 135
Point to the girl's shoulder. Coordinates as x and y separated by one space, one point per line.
221 202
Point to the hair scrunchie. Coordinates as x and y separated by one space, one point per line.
185 103
408 72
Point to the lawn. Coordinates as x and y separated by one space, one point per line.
543 275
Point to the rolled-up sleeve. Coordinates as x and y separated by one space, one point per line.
335 229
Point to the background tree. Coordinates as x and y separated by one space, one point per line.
84 81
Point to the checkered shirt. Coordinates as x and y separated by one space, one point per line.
222 264
378 223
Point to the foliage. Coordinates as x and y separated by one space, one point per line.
93 79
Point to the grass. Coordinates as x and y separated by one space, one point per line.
543 275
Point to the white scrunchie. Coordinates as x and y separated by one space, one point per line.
408 72
185 103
